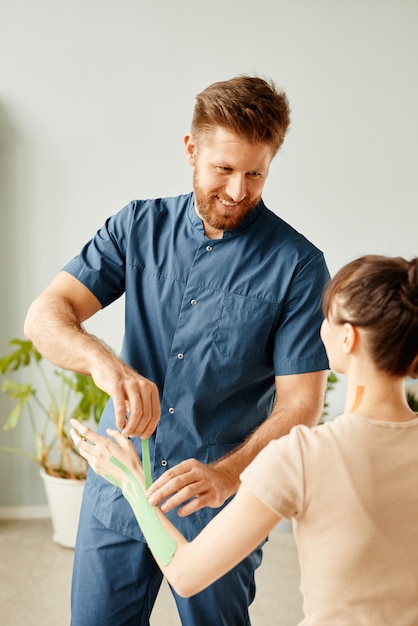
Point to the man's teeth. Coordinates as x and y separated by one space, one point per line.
226 203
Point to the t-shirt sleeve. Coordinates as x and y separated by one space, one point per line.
276 475
298 347
101 264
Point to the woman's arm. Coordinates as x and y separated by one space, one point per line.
228 538
189 566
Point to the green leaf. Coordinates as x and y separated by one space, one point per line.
21 356
412 401
332 378
331 381
17 391
21 393
14 416
92 401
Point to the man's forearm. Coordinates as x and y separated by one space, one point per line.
54 328
54 324
278 424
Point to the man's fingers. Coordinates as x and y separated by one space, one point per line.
135 399
173 479
120 408
191 484
180 497
144 410
194 505
177 485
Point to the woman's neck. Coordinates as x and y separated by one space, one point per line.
378 396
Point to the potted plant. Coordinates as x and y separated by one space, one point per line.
331 382
48 401
412 394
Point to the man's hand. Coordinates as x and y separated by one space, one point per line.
194 483
135 398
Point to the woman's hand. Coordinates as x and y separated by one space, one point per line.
99 450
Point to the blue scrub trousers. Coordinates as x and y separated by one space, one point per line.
116 581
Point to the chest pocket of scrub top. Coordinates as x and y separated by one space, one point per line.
244 327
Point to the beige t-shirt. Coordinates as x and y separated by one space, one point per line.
351 486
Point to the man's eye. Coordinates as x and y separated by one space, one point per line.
254 174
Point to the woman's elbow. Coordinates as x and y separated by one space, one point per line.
186 585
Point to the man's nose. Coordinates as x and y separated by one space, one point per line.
236 187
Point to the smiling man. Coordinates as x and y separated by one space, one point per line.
221 351
229 176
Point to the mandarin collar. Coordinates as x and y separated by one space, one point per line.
246 223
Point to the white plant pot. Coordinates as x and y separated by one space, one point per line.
64 497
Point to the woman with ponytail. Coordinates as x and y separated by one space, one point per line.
350 485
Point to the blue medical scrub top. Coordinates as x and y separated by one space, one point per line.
211 322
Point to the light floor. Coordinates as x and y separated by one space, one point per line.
35 576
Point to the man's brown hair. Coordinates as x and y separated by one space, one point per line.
250 107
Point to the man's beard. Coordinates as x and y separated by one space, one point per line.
227 220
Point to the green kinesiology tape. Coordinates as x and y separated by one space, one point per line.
146 462
157 537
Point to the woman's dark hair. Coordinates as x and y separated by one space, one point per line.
249 106
380 294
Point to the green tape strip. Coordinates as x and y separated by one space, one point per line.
146 462
159 540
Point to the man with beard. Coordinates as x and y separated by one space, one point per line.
221 351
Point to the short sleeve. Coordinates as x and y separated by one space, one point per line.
276 475
101 264
298 347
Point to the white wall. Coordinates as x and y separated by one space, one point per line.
96 95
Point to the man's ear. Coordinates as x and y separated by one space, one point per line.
190 147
